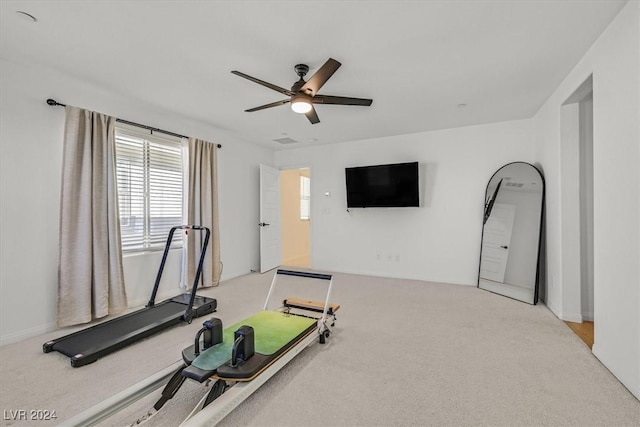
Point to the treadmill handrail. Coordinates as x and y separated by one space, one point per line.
205 243
187 313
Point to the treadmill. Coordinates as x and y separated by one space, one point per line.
88 345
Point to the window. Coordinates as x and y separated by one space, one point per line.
305 197
150 180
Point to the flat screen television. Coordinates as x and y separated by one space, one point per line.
383 186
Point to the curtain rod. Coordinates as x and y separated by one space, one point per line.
55 103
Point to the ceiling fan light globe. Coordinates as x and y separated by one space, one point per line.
300 104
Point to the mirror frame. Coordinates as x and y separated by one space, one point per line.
489 202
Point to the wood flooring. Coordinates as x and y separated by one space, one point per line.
584 330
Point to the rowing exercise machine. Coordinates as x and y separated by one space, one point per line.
240 358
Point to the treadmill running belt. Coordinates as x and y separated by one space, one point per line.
145 321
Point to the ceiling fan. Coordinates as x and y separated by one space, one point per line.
304 94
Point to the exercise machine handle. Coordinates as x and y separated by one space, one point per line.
196 345
234 351
305 274
212 330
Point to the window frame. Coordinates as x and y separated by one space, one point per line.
305 198
152 145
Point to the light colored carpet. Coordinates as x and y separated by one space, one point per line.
403 353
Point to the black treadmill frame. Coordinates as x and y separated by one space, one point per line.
208 305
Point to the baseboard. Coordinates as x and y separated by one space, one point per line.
553 309
27 333
43 329
565 317
577 318
630 383
49 327
572 317
139 303
357 272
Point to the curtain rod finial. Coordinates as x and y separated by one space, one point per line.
54 103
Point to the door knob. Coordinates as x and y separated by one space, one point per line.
263 224
504 247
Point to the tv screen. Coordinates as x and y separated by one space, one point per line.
383 186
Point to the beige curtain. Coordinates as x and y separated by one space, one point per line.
90 276
202 209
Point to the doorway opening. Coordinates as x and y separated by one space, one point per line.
295 217
577 186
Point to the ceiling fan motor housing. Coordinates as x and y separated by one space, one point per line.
301 69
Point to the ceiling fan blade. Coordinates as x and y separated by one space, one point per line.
263 83
341 100
273 104
312 116
313 85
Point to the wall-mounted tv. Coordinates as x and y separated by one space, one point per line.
383 186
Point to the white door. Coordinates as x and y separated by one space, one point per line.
496 241
270 252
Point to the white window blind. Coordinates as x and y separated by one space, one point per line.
305 197
150 180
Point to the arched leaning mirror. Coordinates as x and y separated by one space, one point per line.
510 250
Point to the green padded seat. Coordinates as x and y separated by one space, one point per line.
273 332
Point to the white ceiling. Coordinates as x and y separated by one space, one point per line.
417 59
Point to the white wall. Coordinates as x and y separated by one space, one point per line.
614 61
31 159
439 241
